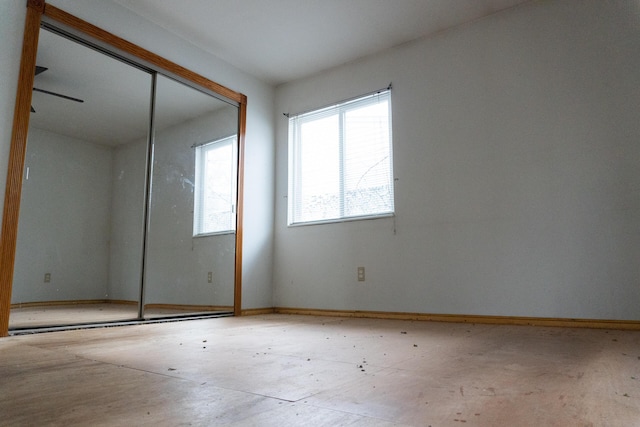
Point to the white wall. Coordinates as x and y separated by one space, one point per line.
64 226
517 158
127 220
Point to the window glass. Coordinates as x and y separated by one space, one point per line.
215 187
340 161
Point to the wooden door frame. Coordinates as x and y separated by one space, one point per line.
36 9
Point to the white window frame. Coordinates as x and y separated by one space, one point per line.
199 223
295 208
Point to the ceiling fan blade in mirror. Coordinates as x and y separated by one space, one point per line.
70 98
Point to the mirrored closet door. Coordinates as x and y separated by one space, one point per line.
130 187
190 255
80 229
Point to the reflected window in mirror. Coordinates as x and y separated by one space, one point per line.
215 187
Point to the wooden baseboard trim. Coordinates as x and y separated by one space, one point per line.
121 301
58 303
257 311
124 302
633 325
186 307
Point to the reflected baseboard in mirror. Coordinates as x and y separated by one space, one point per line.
48 313
153 311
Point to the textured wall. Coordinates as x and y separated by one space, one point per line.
518 172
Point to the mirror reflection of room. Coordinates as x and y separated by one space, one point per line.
86 251
191 237
72 225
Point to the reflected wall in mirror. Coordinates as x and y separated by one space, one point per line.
191 237
79 253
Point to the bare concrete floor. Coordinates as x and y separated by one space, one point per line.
280 370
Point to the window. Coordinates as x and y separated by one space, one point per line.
340 161
215 187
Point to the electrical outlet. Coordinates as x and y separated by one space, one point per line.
360 274
47 277
210 277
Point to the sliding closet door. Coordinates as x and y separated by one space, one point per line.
81 224
190 254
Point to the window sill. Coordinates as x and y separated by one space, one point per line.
217 233
340 220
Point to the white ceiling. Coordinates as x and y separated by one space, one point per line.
117 96
274 40
283 40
